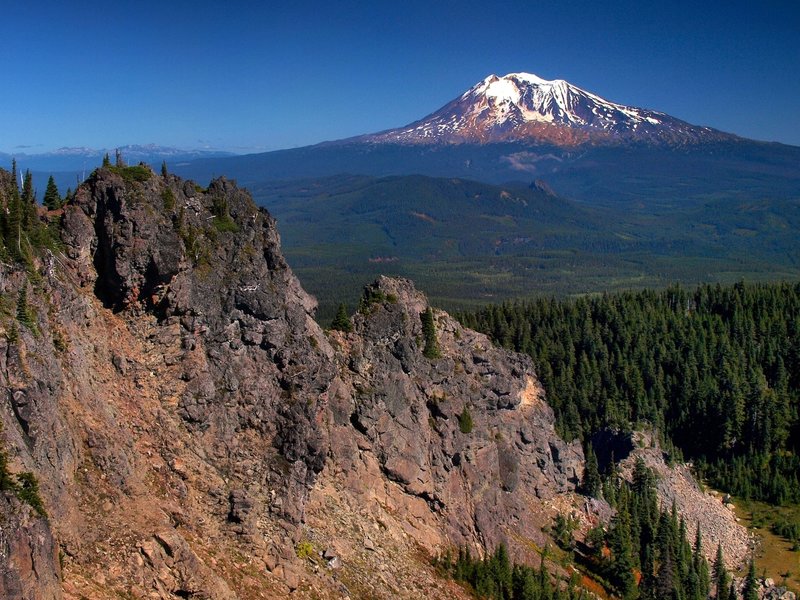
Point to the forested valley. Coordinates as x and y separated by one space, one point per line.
716 371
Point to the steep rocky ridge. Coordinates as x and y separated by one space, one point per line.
197 435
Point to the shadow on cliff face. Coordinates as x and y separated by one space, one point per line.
611 445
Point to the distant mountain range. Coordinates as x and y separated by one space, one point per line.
520 127
71 165
74 159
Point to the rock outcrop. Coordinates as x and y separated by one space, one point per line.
196 434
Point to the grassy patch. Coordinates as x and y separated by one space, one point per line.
775 556
139 173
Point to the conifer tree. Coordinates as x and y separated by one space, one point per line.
28 203
591 476
14 173
665 581
431 349
52 199
342 322
750 591
721 579
622 565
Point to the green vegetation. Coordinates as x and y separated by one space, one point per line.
372 295
562 531
168 197
342 322
305 549
52 199
431 349
138 173
25 314
465 423
23 485
716 371
28 491
645 553
494 577
591 484
6 481
778 553
223 222
24 233
467 243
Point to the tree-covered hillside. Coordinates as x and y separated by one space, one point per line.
715 370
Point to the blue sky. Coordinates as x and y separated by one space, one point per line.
254 76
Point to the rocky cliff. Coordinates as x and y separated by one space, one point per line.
195 433
188 420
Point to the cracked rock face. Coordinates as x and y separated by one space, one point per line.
407 413
188 420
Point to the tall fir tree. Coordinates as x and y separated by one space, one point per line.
52 199
750 591
592 483
431 349
341 321
721 580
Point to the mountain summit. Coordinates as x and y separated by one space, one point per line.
525 107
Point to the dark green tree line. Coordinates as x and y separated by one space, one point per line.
716 371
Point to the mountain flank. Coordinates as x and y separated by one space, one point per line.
193 433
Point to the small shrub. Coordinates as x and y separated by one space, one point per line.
369 297
28 491
305 550
465 423
139 173
225 224
6 482
169 200
25 314
562 531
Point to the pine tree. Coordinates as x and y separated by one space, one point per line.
721 580
164 172
622 566
431 349
342 322
665 580
28 203
750 591
591 476
52 199
14 173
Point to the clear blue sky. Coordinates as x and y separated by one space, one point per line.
252 76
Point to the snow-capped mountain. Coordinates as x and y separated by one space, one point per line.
524 107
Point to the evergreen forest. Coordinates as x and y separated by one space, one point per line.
715 371
644 553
